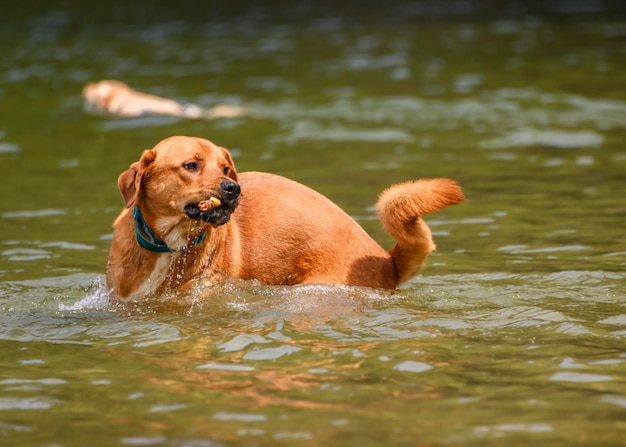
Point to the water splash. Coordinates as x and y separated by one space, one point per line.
97 298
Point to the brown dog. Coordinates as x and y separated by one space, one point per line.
117 98
189 214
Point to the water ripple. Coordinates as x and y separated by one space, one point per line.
567 376
35 213
28 403
271 353
412 366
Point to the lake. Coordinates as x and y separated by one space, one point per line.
514 333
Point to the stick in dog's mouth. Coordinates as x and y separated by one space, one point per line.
206 205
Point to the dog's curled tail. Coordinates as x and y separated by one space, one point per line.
400 208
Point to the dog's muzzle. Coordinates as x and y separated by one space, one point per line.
229 194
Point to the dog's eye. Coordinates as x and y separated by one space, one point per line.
191 166
226 170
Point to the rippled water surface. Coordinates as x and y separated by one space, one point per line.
513 334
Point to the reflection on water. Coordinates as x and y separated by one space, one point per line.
263 360
513 334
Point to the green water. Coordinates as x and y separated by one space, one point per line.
514 333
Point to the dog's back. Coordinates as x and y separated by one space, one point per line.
290 234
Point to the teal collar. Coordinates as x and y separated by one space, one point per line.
149 240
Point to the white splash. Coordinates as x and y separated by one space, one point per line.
97 298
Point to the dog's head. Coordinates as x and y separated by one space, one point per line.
98 95
169 181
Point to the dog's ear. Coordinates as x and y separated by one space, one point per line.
129 181
232 173
126 183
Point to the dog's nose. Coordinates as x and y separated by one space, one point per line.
231 189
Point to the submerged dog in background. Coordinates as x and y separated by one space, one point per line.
190 215
117 98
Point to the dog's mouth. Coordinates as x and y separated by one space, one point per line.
217 208
216 216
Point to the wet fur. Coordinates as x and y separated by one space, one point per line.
279 232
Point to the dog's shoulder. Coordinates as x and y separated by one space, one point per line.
273 184
257 178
